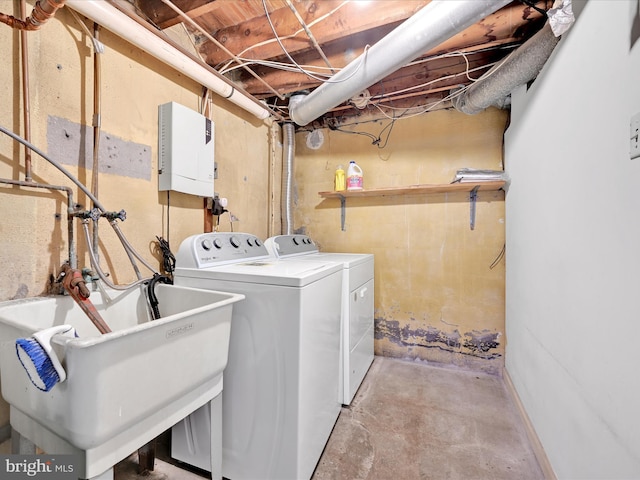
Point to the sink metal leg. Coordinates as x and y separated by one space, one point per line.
147 458
216 437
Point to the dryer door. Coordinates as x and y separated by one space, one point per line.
360 353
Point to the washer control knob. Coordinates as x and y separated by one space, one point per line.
258 243
234 242
206 244
217 243
250 242
295 241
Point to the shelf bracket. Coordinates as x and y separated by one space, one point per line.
473 196
343 212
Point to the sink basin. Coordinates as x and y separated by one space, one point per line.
125 387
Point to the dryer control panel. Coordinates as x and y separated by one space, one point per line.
288 245
212 249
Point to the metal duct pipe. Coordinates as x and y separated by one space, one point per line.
288 140
428 28
518 68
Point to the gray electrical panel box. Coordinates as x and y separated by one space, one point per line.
185 150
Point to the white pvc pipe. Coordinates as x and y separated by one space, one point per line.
117 22
428 28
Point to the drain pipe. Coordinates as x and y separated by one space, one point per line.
518 68
149 40
428 28
288 140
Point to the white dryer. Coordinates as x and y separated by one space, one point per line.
281 388
357 326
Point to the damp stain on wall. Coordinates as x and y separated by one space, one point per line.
480 344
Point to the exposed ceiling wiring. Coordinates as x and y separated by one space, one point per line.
195 25
377 100
435 80
377 139
494 67
363 57
310 35
293 35
280 66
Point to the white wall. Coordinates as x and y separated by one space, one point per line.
573 248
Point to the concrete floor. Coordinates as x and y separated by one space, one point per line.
409 421
414 421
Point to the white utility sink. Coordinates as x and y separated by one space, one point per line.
125 387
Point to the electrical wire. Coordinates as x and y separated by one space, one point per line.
271 40
287 67
499 257
535 7
436 80
168 259
363 57
375 139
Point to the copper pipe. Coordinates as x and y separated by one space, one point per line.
41 13
24 51
97 109
208 217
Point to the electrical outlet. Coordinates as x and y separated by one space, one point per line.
634 149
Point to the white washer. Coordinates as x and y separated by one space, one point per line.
281 388
357 304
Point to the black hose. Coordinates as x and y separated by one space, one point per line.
151 294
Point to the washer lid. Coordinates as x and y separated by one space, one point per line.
266 272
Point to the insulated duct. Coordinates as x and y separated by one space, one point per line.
148 41
518 68
288 140
428 28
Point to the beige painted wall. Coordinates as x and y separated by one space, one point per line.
436 298
33 233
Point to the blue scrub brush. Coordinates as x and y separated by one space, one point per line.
38 358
